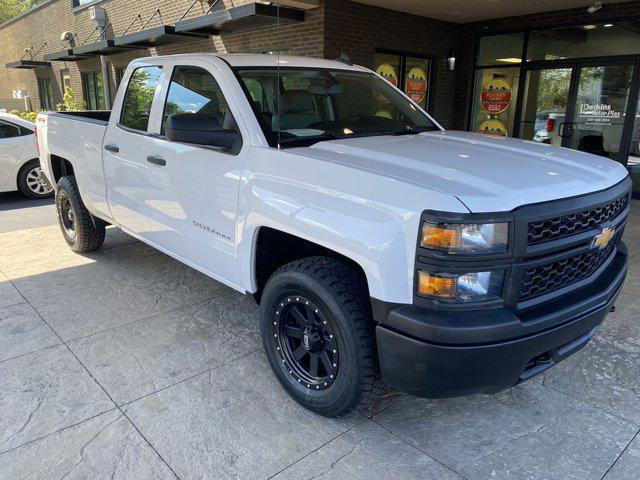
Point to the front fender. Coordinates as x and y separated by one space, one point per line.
369 218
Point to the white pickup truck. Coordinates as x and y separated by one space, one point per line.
379 246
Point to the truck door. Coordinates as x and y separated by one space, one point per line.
193 190
125 150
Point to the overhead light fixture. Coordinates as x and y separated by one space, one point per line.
589 27
595 7
608 25
509 60
451 59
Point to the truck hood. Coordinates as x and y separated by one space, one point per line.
487 174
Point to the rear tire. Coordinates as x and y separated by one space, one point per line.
81 231
334 370
32 182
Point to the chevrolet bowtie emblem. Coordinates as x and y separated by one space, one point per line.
601 240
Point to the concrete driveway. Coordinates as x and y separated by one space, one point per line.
126 364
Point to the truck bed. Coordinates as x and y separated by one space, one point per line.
77 137
92 116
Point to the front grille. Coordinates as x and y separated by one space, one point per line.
553 228
543 279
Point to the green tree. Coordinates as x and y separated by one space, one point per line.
70 103
12 8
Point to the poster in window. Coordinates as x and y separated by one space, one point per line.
495 96
493 128
415 84
388 73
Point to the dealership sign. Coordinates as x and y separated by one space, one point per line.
495 96
599 113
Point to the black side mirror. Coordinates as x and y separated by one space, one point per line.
202 129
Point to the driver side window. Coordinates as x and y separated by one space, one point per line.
194 90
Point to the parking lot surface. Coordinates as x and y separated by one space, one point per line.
126 364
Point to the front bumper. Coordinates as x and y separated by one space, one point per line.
435 353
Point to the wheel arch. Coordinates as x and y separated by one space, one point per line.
273 248
60 167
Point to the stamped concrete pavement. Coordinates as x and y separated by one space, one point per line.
126 364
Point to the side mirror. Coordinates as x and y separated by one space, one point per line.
201 130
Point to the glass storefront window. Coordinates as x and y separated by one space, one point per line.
501 49
411 74
545 104
601 40
92 90
495 93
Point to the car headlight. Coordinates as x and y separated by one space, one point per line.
465 238
461 287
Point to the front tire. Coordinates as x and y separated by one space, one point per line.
32 182
82 232
318 335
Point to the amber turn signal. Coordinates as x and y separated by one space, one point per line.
441 237
430 285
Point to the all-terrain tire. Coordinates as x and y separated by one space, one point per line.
81 231
338 294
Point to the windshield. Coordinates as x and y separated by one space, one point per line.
305 105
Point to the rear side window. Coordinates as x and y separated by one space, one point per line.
8 130
194 90
136 106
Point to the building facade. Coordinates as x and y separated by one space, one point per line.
566 77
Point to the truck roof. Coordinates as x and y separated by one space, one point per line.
267 60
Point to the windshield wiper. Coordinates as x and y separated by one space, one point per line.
408 130
313 139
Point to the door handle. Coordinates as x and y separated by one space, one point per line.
111 148
156 160
565 130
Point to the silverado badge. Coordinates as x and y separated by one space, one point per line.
601 240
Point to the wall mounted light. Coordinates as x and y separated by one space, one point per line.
451 59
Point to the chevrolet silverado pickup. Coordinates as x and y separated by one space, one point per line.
380 247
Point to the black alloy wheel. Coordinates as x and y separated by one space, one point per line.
67 216
306 342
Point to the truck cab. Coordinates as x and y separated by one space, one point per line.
380 246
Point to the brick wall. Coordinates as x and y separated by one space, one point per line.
46 23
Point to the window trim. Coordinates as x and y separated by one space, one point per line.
124 96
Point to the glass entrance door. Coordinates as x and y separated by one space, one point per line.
579 107
599 111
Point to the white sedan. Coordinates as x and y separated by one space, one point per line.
19 163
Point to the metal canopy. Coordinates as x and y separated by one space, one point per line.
244 17
66 55
28 64
101 47
154 37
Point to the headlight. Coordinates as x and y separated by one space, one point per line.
462 288
466 238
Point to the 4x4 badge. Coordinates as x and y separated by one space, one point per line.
601 240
